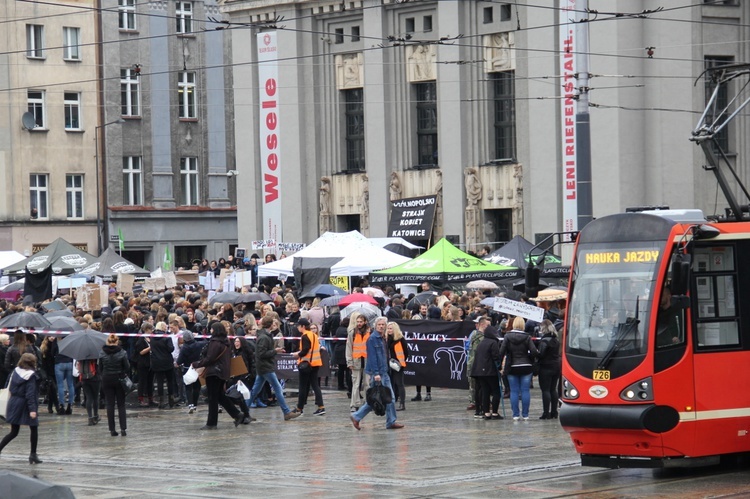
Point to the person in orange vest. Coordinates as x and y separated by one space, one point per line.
397 350
309 362
356 355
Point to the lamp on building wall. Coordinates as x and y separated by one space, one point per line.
99 242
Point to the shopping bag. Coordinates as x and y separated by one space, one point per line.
4 397
237 367
242 387
191 376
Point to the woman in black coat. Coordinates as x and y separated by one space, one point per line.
114 365
344 375
216 364
24 404
485 370
550 368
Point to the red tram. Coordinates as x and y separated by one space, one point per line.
657 340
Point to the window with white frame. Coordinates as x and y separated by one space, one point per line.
130 92
39 195
126 11
71 43
74 195
186 95
72 102
35 99
189 181
184 17
35 40
132 181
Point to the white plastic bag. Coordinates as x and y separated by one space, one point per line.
243 390
191 376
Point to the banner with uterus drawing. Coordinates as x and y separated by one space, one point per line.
436 355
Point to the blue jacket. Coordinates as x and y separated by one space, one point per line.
24 399
377 355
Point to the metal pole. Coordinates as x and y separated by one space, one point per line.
98 195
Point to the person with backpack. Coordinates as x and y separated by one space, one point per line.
91 382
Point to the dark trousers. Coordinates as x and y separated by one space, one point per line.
145 382
306 381
114 392
548 380
397 383
161 377
216 396
193 392
14 428
91 389
478 396
490 390
52 401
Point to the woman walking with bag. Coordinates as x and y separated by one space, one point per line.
114 365
308 365
216 364
397 350
23 404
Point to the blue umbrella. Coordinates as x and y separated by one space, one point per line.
325 290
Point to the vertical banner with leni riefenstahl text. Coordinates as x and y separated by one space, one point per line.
568 119
270 137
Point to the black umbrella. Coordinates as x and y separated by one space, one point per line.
83 345
25 320
225 297
61 323
331 301
325 290
250 297
58 313
20 486
425 297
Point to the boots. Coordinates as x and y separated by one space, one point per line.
162 405
172 402
68 410
60 410
545 416
34 459
401 406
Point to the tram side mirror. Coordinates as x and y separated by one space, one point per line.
680 275
532 281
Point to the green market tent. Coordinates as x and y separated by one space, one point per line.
515 253
444 263
63 257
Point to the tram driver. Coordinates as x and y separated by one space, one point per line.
669 323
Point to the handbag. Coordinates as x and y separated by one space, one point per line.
394 364
5 398
304 367
127 384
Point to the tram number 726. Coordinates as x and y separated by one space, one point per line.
601 375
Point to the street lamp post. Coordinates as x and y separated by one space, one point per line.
99 242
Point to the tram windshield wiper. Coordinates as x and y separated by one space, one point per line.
621 337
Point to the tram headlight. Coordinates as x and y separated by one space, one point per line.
570 392
638 391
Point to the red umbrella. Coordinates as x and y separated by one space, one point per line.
357 297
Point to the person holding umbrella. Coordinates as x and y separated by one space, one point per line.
23 404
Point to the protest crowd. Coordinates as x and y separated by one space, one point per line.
183 349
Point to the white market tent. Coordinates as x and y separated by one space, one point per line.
359 256
8 258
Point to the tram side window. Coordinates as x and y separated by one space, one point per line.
670 323
716 297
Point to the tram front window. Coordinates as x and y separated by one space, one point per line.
610 301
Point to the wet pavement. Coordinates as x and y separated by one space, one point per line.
442 452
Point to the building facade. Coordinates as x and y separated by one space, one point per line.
48 118
167 125
376 100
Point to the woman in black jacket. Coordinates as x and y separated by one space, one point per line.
189 353
550 369
519 367
142 356
49 351
114 365
343 373
485 371
216 364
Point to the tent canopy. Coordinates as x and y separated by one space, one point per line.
444 263
8 258
109 264
358 255
515 253
63 257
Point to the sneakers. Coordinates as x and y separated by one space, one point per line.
320 412
395 426
355 423
525 418
291 415
516 418
191 409
427 397
478 415
471 407
417 398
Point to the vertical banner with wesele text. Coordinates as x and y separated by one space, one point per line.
270 137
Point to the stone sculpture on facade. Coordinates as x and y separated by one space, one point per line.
473 187
364 218
395 186
325 204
